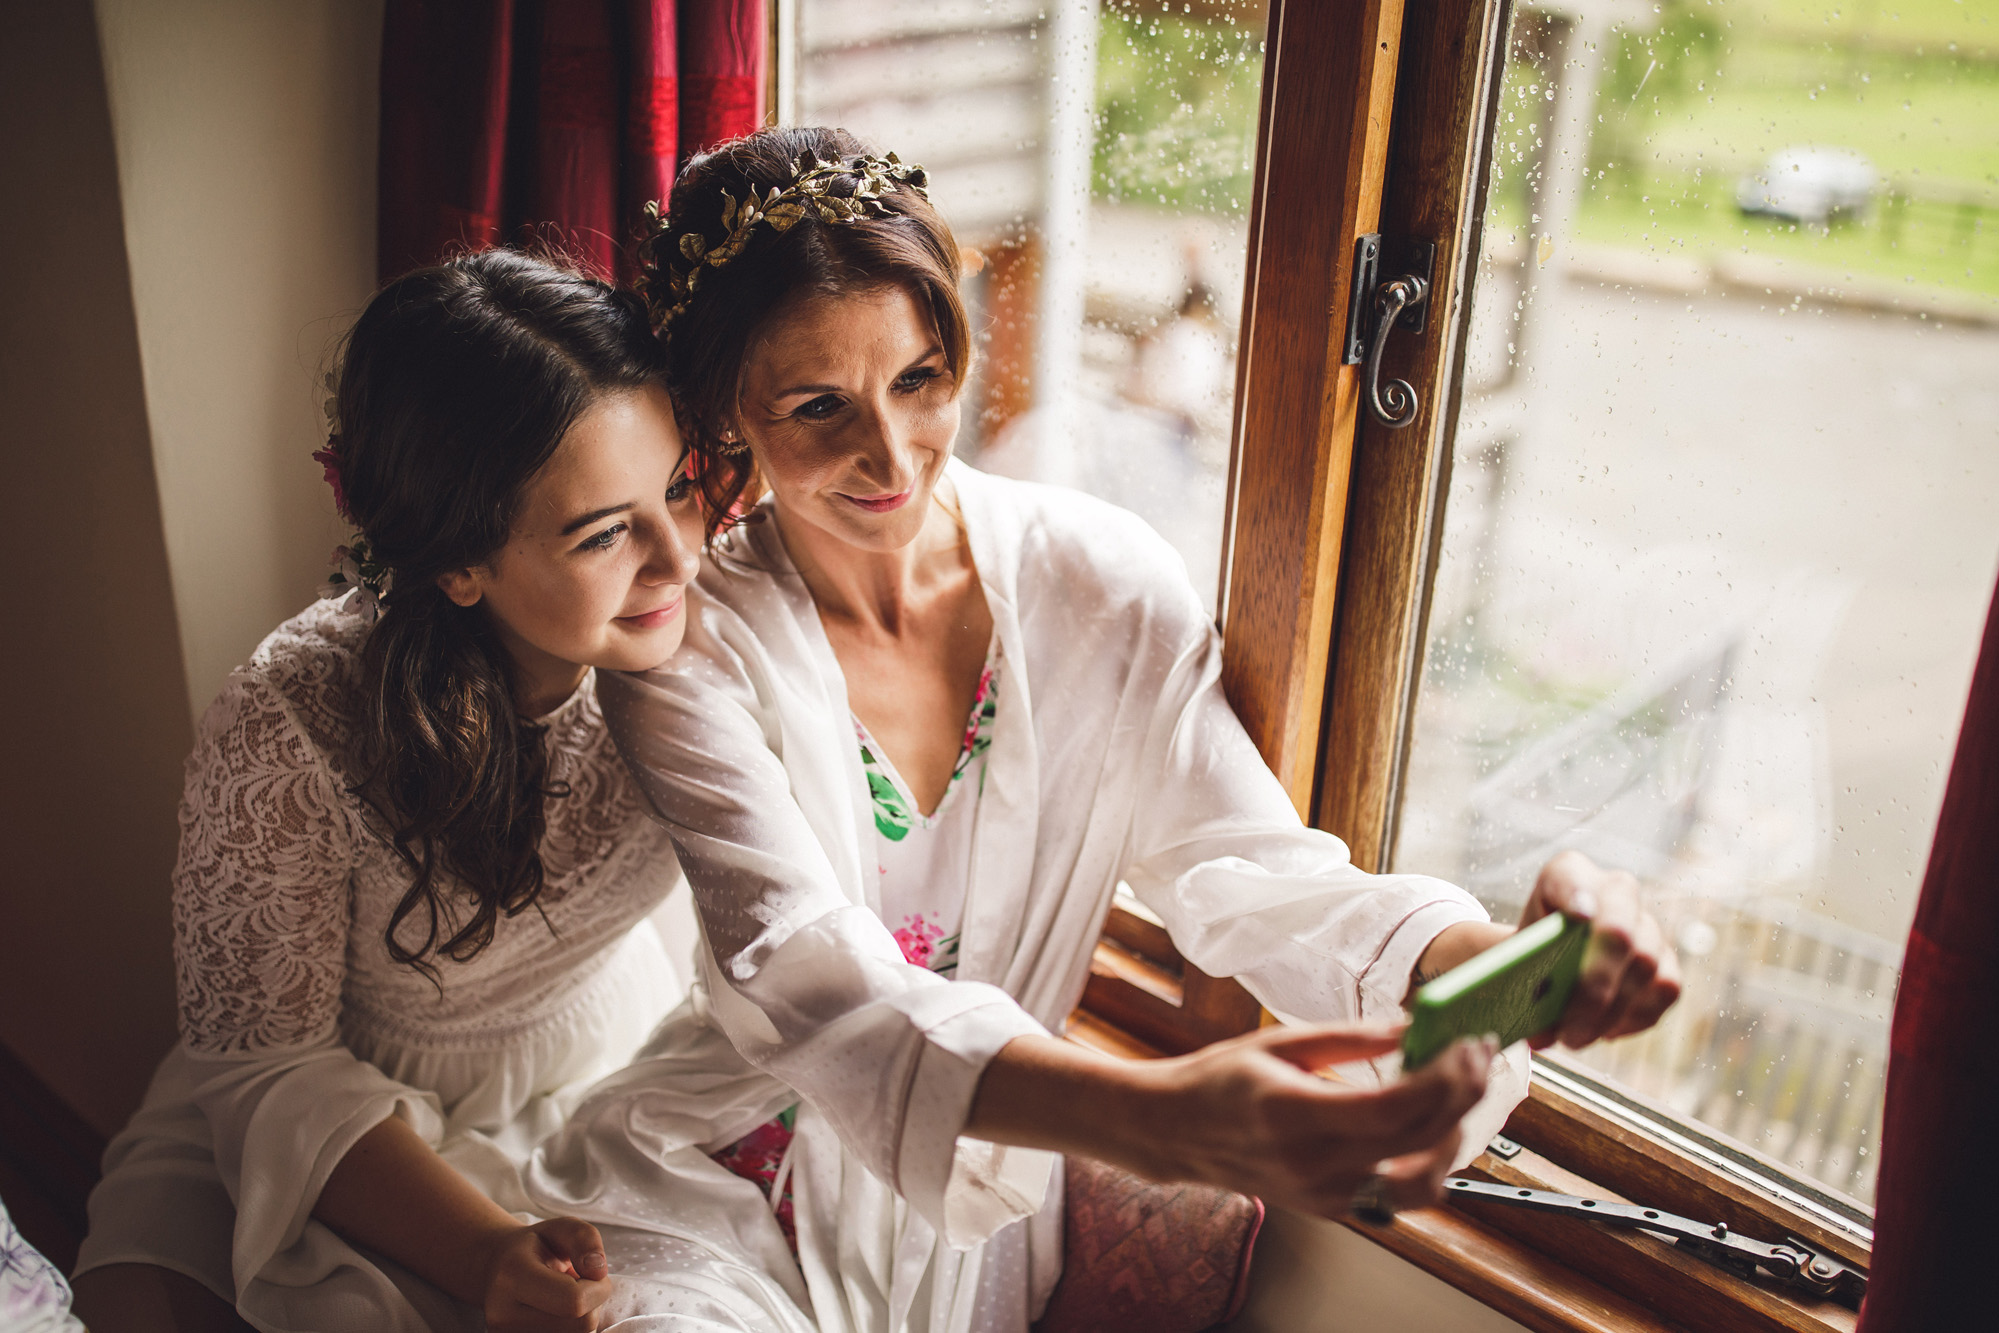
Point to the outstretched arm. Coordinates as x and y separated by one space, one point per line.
1251 1115
1248 1114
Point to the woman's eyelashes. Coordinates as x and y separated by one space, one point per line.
827 405
602 541
681 487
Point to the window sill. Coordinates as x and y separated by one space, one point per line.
1555 1275
1509 1276
1551 1274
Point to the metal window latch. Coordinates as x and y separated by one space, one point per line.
1377 306
1793 1264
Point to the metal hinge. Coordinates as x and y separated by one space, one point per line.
1793 1263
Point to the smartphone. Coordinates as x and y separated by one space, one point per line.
1514 990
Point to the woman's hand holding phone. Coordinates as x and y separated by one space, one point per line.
1630 975
1252 1115
1248 1114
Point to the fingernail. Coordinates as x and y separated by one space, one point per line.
1583 904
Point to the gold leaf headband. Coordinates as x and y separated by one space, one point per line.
681 267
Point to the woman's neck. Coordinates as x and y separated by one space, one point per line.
910 629
543 695
876 590
542 682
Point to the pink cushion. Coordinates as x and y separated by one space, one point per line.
1161 1258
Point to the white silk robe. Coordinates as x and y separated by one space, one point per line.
1114 757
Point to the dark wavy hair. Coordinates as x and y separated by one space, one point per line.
455 387
708 343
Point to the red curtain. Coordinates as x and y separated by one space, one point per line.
552 120
1936 1222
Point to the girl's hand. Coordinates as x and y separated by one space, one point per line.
547 1278
1250 1115
1630 975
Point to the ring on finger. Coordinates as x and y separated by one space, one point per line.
1371 1202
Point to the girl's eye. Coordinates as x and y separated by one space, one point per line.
604 540
680 489
912 380
819 408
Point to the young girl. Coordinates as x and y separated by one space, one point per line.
926 721
412 899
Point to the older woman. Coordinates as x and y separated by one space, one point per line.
925 723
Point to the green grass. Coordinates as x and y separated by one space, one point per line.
1697 217
1686 106
1931 121
1176 108
1932 24
1691 104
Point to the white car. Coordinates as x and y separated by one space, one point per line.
1809 185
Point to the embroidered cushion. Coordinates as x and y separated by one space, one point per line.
1161 1258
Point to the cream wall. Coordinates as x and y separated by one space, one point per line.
1315 1276
90 662
245 133
189 220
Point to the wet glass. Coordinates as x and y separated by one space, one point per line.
1098 159
1723 519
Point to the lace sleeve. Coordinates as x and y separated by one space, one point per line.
261 900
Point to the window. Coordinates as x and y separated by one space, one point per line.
1785 343
1465 643
1719 534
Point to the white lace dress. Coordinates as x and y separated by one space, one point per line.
299 1033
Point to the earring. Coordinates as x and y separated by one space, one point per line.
732 446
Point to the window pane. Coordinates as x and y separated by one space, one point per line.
1723 519
1099 158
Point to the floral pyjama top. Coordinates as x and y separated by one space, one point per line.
923 862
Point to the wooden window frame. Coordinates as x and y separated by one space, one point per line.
1330 69
1333 530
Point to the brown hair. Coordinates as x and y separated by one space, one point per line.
456 385
709 341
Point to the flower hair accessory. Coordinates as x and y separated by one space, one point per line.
329 457
356 570
354 567
671 274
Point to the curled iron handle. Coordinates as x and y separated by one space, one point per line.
1394 403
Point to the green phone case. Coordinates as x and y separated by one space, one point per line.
1514 989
